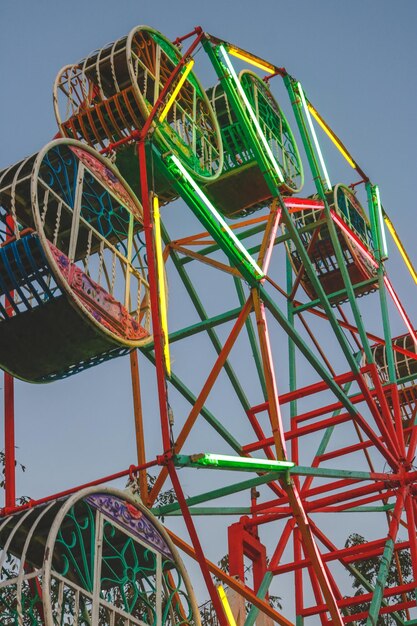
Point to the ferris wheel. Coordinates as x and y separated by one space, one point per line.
298 366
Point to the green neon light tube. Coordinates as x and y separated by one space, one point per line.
240 462
237 243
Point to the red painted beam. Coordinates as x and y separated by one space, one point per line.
302 392
9 417
99 481
366 597
352 554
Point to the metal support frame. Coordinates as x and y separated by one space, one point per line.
9 412
294 499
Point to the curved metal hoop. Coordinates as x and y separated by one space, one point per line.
110 94
241 189
98 556
355 237
74 256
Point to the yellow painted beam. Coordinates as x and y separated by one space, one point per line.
400 246
161 282
331 135
250 58
226 605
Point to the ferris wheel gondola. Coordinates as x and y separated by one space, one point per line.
241 188
71 266
107 97
96 557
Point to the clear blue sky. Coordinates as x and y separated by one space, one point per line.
357 62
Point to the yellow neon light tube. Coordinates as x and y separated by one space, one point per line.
188 68
331 135
161 282
129 261
249 58
400 246
226 606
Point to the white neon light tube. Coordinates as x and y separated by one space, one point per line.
217 215
271 242
381 224
251 113
313 133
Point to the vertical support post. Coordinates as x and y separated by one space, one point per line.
139 430
271 386
244 543
9 442
296 104
163 313
298 574
9 420
214 596
381 286
153 289
291 490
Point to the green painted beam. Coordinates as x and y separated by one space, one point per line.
309 305
261 480
214 247
306 351
261 593
407 379
254 249
226 490
225 241
209 510
199 327
370 509
176 382
324 301
380 583
324 472
195 299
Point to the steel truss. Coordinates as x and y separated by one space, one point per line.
312 388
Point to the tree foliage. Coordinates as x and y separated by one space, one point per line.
21 499
400 572
208 614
